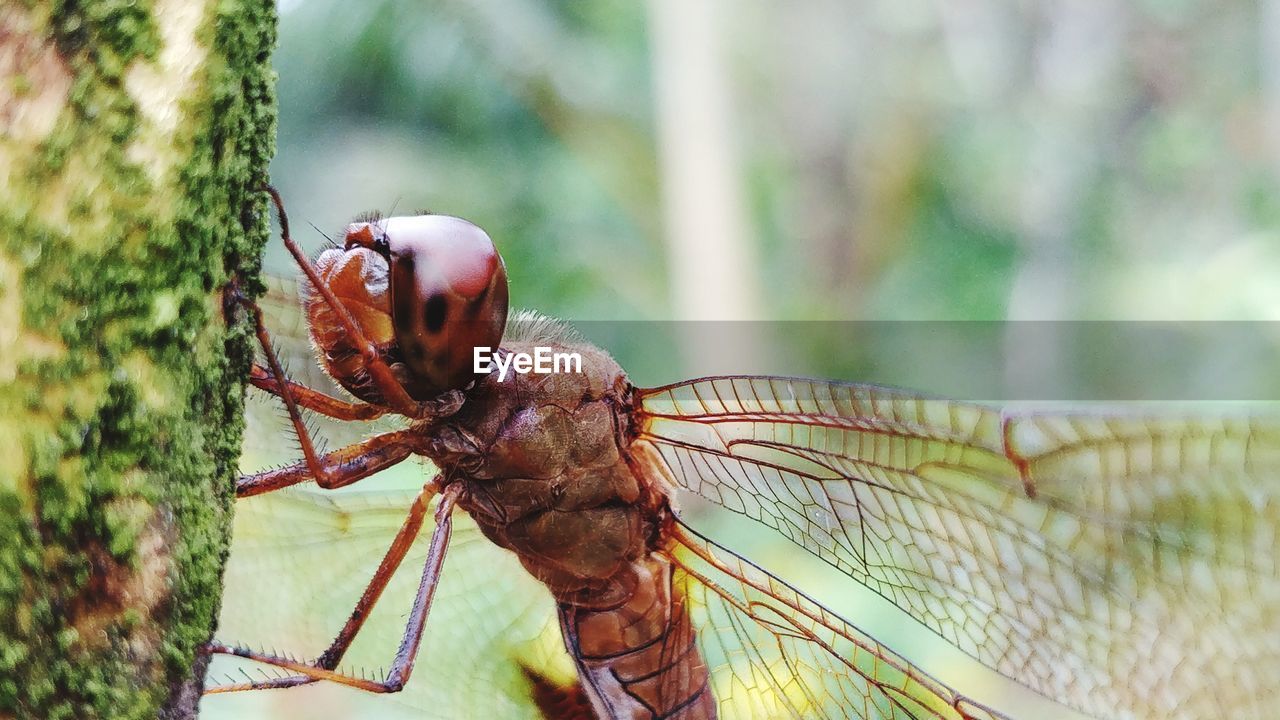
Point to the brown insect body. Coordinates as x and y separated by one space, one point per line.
577 514
582 521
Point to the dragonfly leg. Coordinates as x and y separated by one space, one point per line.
313 400
402 666
336 469
294 396
397 397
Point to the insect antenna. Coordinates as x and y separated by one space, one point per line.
323 234
394 204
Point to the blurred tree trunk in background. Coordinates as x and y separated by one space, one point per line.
711 254
132 136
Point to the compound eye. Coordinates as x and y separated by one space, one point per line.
448 297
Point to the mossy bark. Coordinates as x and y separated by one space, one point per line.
133 134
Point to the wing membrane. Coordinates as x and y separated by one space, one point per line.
282 309
300 559
774 653
1123 565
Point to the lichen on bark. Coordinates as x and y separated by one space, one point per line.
132 137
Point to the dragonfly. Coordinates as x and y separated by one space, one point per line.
1122 564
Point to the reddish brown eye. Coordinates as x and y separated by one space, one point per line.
448 294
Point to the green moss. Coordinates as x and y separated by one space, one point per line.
113 538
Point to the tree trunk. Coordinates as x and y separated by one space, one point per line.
132 138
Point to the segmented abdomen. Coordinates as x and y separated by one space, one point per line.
640 661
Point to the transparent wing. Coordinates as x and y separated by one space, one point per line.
774 653
282 310
300 559
1125 566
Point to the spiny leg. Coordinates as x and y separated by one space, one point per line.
329 406
336 469
312 399
395 554
286 391
402 665
397 397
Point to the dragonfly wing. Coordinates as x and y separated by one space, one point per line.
282 310
1125 566
269 438
774 653
300 559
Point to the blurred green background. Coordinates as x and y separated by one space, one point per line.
817 161
831 161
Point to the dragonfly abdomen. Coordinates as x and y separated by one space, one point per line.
640 660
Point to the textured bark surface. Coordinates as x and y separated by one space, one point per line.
132 136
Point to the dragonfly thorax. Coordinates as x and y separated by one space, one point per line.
548 474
